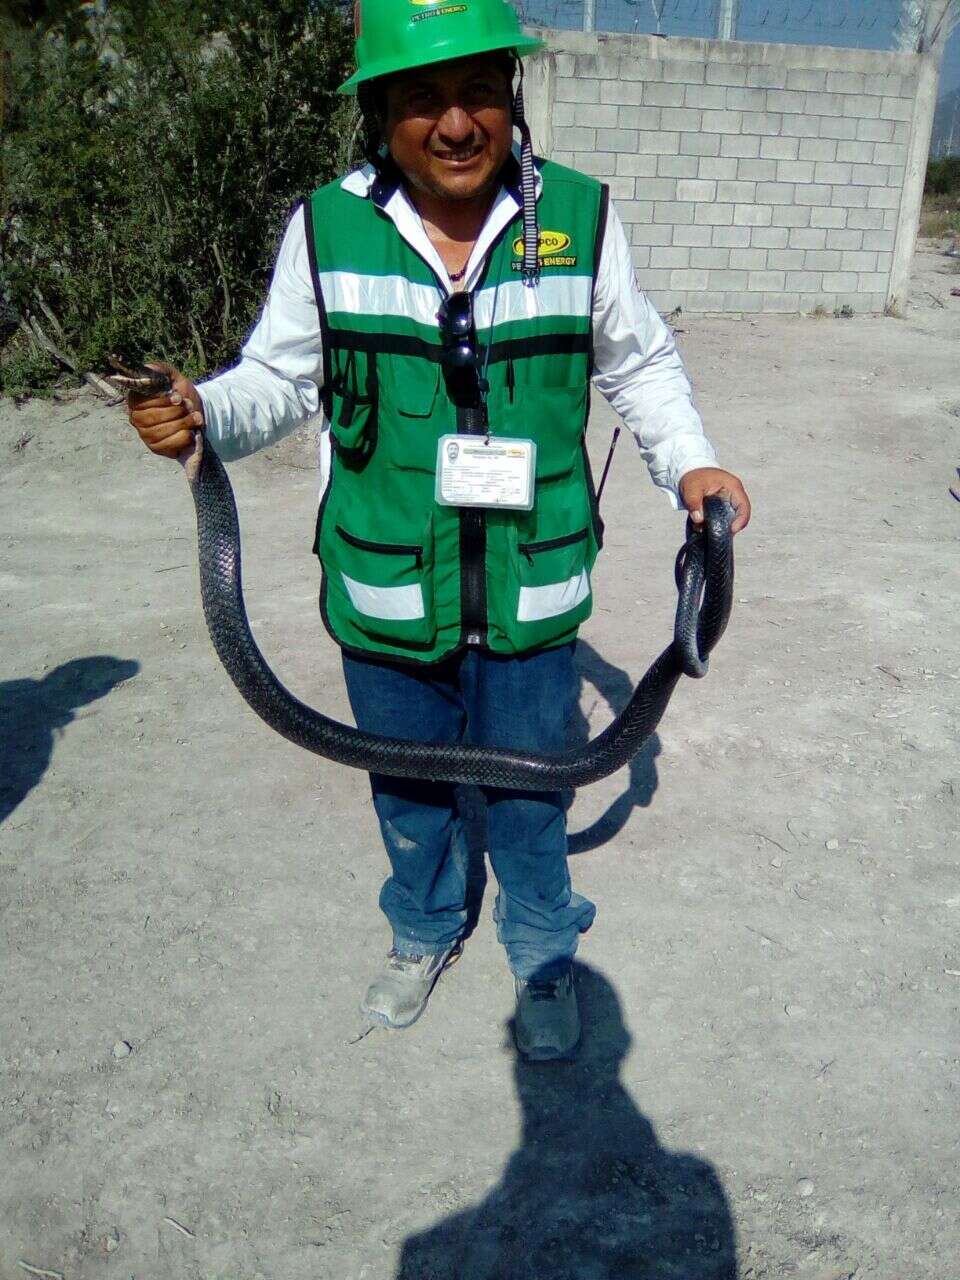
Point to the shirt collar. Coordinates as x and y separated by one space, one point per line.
386 189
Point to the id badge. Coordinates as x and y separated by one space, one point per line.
486 471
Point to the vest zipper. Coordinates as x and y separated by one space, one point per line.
530 549
473 548
384 548
473 578
511 381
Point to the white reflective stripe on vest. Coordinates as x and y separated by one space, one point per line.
550 601
553 296
358 294
400 604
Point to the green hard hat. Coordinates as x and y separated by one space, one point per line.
398 35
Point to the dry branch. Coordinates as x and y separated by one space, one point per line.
31 326
223 280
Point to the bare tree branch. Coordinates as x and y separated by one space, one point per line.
31 327
925 25
224 282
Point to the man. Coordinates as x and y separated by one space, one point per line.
417 304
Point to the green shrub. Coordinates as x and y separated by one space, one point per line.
25 369
152 154
943 177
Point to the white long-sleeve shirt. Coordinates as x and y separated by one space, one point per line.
276 386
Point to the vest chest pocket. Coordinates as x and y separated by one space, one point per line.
561 413
416 412
379 589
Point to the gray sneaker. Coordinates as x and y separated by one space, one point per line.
399 993
547 1022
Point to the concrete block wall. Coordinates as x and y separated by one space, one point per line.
750 177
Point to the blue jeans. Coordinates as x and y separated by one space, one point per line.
521 703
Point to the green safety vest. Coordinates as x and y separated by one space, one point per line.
404 576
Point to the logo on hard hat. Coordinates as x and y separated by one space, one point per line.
435 9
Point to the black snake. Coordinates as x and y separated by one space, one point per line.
704 566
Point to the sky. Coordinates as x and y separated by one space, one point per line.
866 24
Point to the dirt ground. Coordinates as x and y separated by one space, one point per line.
769 1080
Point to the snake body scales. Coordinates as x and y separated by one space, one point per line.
705 566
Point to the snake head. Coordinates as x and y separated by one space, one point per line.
138 379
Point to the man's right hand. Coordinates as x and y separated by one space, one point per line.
166 424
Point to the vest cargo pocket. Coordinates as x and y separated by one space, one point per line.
379 590
550 586
353 430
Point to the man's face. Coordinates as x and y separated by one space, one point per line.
449 127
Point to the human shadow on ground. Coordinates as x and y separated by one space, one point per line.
616 689
32 712
590 1194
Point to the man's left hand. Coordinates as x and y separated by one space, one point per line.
704 482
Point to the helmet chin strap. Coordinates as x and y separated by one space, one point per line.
528 191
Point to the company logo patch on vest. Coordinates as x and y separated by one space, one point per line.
550 250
